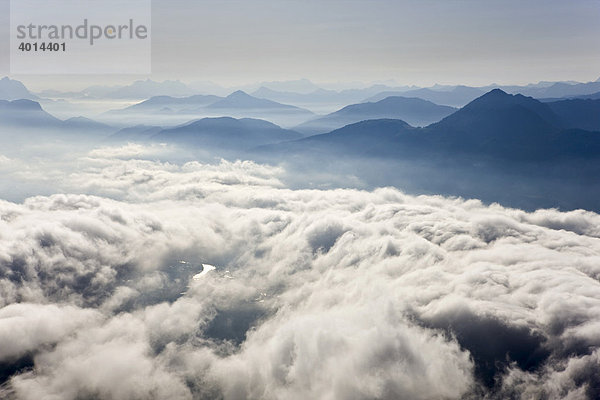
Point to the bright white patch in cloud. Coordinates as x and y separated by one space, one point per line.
206 268
130 150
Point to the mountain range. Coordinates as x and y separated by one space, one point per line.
593 96
226 133
496 124
240 101
172 110
301 93
324 100
141 89
556 89
416 112
26 113
170 104
455 96
299 86
11 89
22 119
500 147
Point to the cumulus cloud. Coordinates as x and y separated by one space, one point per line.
130 150
29 326
333 294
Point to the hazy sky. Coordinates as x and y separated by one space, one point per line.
413 42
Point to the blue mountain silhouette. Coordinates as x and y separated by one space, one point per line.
416 112
227 133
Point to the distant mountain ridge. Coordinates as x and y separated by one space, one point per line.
455 97
14 90
323 100
26 113
366 138
593 96
226 133
558 90
137 90
299 86
416 112
240 100
29 116
497 124
175 104
236 105
502 148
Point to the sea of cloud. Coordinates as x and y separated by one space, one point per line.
316 294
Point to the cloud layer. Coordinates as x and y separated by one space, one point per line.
332 294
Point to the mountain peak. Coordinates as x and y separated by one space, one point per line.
239 94
26 113
502 117
11 89
496 93
79 119
499 98
242 100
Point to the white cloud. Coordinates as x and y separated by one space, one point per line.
317 293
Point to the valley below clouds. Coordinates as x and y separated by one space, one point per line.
315 294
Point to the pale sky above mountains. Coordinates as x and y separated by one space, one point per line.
411 42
